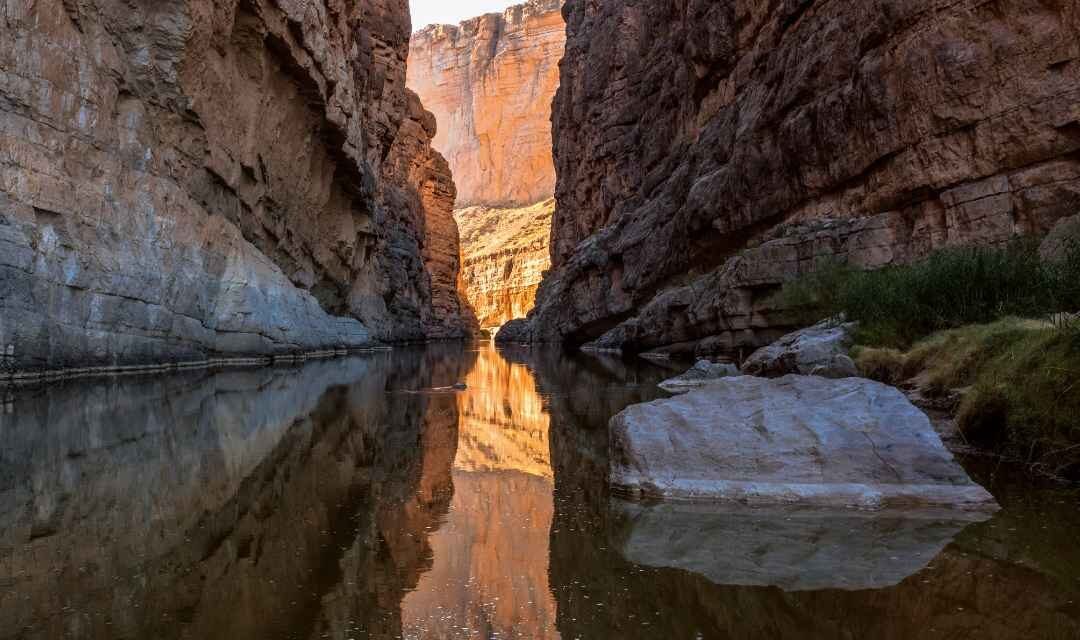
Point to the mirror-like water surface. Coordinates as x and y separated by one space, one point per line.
363 498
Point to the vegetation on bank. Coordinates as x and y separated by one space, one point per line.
896 306
993 328
1017 384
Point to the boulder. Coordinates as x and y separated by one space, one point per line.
820 350
796 440
702 373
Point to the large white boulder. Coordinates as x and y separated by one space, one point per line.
820 350
793 440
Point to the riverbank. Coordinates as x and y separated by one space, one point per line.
23 378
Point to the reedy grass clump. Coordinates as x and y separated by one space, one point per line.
898 305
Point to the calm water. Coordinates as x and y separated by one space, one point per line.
355 499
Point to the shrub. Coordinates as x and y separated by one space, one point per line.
896 306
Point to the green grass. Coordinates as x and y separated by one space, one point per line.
995 327
896 306
1020 383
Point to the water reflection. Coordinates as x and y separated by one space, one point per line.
489 577
355 499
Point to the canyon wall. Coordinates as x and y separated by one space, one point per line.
190 179
490 81
504 254
708 151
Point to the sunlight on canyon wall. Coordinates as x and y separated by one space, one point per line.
489 82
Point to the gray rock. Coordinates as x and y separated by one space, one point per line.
702 373
820 350
798 440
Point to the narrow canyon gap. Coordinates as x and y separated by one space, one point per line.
490 81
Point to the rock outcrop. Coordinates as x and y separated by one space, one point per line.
797 440
489 81
820 350
708 151
192 179
504 256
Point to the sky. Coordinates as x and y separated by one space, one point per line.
425 12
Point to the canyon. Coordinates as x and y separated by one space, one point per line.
489 82
708 152
190 180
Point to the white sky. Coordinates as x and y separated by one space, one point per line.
425 12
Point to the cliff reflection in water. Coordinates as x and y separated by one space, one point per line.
489 578
278 503
358 498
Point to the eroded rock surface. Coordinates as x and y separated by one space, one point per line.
187 179
708 151
798 440
504 256
489 81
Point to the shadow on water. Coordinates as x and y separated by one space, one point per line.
359 498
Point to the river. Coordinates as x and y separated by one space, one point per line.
365 497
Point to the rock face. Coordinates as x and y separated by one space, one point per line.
708 151
489 81
820 350
795 440
504 256
187 179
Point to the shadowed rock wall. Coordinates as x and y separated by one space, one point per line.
198 178
708 151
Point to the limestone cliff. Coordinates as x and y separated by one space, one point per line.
489 81
707 151
504 256
189 179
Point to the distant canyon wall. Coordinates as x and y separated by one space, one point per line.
190 179
708 151
490 82
504 254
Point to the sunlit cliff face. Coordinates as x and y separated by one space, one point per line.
489 576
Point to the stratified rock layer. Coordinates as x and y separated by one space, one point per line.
708 151
504 256
489 81
186 179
